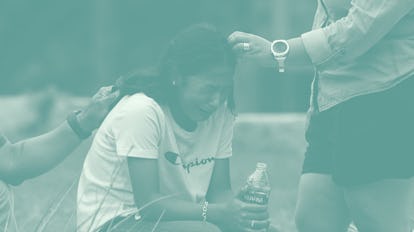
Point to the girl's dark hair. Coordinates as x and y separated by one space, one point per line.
193 50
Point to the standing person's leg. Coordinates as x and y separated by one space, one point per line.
374 158
321 205
381 206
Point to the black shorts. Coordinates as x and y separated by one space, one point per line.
367 138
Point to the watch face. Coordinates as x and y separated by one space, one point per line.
280 47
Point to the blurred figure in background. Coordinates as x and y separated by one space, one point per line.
34 156
358 164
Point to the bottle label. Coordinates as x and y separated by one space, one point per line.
255 197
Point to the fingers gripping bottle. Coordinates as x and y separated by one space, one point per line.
257 187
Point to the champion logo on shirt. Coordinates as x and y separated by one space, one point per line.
174 159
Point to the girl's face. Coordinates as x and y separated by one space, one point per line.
200 95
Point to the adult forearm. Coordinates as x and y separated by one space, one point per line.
298 55
259 49
34 156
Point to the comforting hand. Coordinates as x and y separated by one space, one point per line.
245 217
252 47
93 114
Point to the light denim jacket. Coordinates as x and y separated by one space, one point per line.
359 47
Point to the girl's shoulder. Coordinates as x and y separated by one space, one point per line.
137 106
139 102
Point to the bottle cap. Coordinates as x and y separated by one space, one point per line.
261 165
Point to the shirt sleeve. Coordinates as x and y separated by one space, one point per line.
137 130
225 148
366 23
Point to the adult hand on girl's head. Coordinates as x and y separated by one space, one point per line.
252 47
94 113
245 217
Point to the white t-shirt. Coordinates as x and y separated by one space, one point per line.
139 127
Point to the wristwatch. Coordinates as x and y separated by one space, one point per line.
73 122
280 50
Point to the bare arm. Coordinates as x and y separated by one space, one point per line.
259 50
219 190
34 156
145 185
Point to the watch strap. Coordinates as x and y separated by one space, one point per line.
281 63
73 122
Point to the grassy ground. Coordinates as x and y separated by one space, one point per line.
274 139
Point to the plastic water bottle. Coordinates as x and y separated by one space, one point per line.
257 187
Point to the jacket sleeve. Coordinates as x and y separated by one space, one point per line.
367 22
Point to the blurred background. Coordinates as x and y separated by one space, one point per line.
54 54
76 46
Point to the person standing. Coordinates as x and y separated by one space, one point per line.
358 163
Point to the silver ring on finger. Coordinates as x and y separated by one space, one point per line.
246 46
253 224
